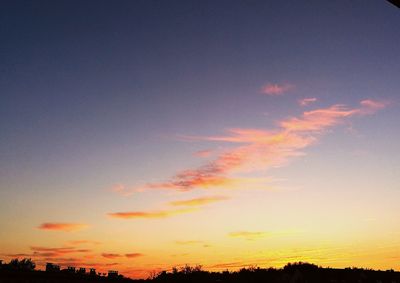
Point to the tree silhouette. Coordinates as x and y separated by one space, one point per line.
25 264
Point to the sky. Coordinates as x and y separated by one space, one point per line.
143 135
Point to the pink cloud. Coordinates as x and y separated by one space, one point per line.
371 106
123 190
203 153
320 119
259 149
276 89
307 101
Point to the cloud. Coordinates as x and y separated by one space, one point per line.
307 101
66 227
17 255
39 251
84 242
371 106
276 89
110 255
191 242
203 153
148 214
235 264
247 235
198 201
114 256
320 119
122 190
133 255
261 149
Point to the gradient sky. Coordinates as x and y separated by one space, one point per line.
142 135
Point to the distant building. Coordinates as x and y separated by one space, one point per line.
92 271
71 269
50 267
112 274
81 270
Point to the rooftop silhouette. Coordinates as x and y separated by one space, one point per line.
17 271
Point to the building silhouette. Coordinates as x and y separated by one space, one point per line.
112 274
50 267
71 269
81 270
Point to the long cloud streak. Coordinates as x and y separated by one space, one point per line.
263 149
66 227
148 214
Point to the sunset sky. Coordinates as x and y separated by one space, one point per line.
141 135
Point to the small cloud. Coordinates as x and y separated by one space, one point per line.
84 242
203 153
307 101
247 235
110 255
192 242
276 89
148 214
370 106
66 227
122 190
133 255
235 264
198 201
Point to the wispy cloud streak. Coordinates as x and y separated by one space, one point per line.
66 227
276 89
133 255
247 235
259 149
111 255
148 214
198 201
307 101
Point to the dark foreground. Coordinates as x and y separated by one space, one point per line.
291 273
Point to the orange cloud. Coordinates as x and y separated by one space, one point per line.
84 242
133 255
110 255
192 242
276 89
55 252
307 101
148 214
198 201
247 235
260 149
66 227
